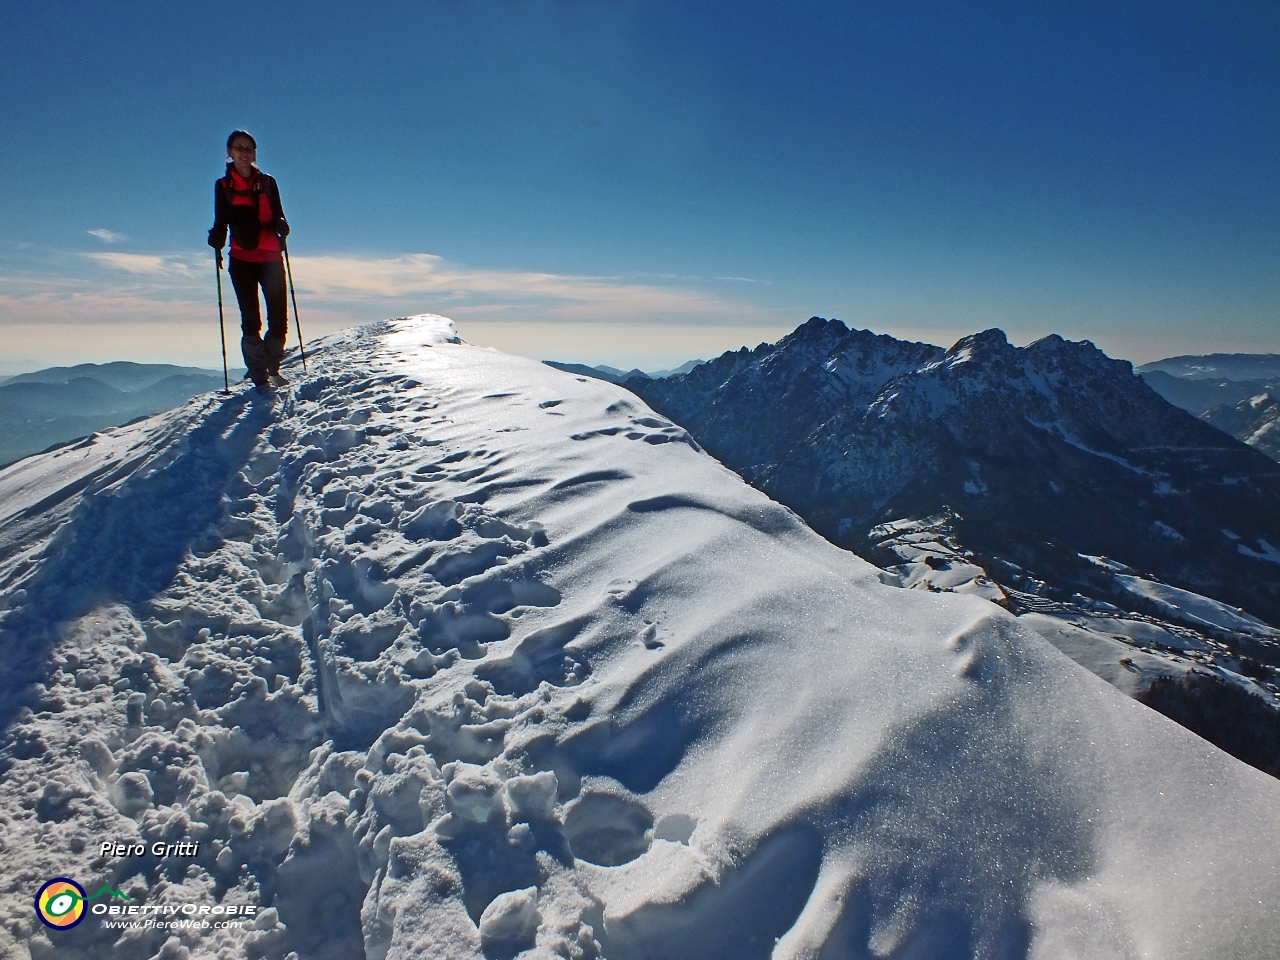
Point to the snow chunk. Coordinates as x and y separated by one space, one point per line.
511 920
132 794
474 792
533 797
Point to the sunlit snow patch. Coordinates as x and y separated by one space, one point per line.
1193 608
1265 551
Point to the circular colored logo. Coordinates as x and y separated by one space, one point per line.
60 903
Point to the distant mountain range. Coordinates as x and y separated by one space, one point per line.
614 375
58 404
1236 392
1049 478
1218 366
1255 420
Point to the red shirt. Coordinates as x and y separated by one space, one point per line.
268 242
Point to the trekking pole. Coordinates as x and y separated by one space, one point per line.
296 319
222 324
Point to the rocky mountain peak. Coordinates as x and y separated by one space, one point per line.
988 344
1047 451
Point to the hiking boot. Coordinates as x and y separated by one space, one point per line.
278 380
255 359
273 351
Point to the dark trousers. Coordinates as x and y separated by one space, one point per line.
262 355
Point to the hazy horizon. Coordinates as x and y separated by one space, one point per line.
12 368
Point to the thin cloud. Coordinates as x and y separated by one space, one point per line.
154 287
106 236
143 263
75 306
470 290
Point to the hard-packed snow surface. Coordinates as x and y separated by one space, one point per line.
448 654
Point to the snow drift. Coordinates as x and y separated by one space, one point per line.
447 653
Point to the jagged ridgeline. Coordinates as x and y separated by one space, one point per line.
1044 453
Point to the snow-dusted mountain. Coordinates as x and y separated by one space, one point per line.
1046 478
1234 392
1254 420
1198 396
444 653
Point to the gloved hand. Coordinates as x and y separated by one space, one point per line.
281 227
218 237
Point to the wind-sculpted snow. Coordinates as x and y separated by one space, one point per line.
450 654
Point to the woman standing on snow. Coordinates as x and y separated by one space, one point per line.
248 201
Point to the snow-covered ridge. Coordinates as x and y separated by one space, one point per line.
446 653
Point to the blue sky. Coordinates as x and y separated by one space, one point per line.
641 183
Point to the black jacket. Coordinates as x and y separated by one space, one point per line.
243 218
